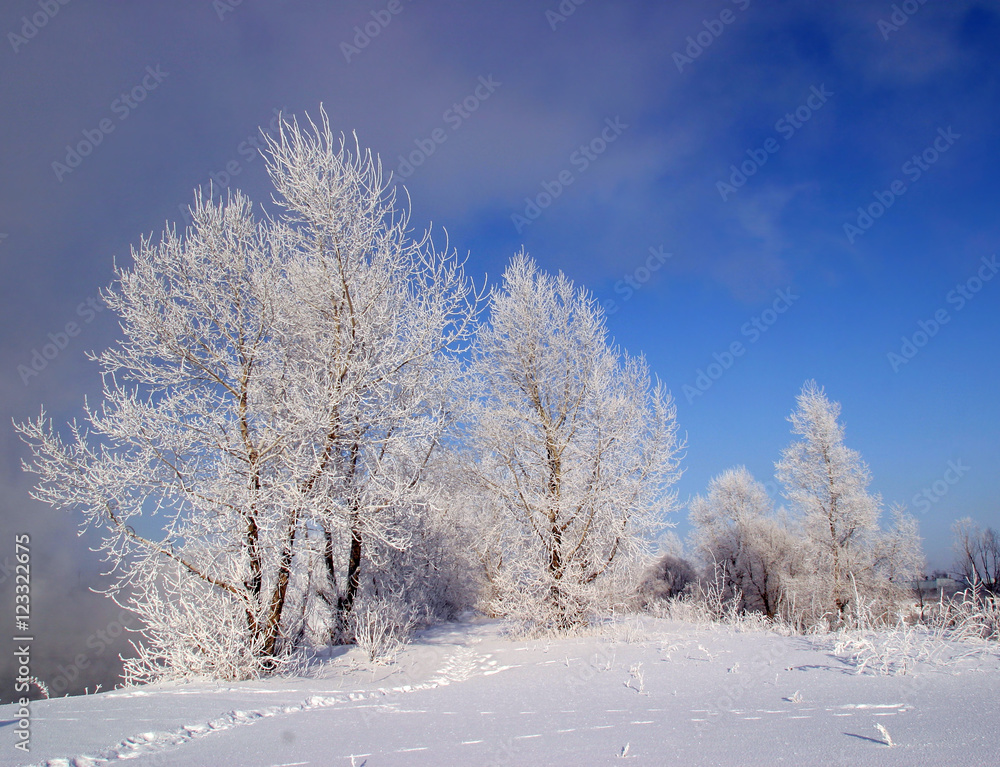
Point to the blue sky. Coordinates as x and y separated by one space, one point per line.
638 120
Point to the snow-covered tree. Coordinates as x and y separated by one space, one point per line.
575 452
189 431
373 324
267 418
899 555
826 484
668 577
741 543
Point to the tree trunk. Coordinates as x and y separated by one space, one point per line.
346 605
272 627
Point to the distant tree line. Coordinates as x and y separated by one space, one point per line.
820 560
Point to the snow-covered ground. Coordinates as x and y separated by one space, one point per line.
648 692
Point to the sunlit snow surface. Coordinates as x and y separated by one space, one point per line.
647 692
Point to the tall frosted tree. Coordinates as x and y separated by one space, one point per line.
267 418
373 327
826 484
576 449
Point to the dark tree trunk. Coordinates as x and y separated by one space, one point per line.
272 627
345 605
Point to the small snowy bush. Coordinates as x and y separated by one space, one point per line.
381 629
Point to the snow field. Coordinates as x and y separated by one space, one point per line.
468 694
